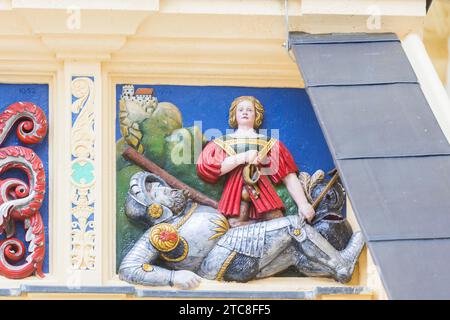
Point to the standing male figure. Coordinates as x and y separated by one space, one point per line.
251 161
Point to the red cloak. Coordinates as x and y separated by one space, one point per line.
279 163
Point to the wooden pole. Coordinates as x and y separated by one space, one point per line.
148 165
325 190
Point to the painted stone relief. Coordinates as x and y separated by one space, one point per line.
21 200
238 210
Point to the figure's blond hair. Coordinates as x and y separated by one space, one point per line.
259 111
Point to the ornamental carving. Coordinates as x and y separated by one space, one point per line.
20 200
83 173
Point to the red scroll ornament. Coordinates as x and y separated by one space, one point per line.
21 201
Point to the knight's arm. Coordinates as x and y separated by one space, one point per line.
137 267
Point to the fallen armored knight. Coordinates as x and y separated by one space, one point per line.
186 241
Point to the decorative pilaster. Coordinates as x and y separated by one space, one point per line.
82 175
81 251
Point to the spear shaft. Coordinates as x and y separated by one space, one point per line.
325 190
148 165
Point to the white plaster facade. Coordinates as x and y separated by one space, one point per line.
437 38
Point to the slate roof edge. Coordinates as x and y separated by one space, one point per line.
298 40
411 238
361 84
355 209
301 38
395 156
369 242
336 157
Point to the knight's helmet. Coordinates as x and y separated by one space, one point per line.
139 207
334 199
329 220
314 185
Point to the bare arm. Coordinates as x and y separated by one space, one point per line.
296 191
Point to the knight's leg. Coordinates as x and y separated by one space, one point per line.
310 268
286 259
226 264
319 250
293 257
223 264
280 252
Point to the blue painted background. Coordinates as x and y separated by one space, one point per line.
286 109
37 94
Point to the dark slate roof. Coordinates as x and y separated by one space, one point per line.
362 120
393 157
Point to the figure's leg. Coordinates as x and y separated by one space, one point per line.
226 264
286 259
275 214
243 218
341 263
292 257
279 251
236 222
223 264
310 268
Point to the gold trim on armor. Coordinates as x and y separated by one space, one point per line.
259 142
164 245
225 265
186 216
229 150
264 151
222 227
155 210
180 258
147 267
226 145
167 246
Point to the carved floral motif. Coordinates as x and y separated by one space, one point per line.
83 174
20 201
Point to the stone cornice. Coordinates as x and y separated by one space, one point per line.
82 47
409 8
179 38
131 5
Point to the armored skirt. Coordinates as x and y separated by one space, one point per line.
278 163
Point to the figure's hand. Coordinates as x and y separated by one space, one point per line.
262 161
251 156
185 279
308 212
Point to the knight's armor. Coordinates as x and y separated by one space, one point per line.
200 240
